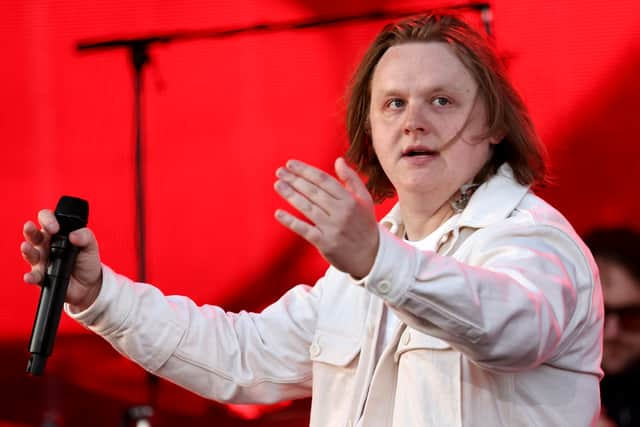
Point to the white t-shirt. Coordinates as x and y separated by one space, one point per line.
389 320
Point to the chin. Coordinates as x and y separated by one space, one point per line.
618 365
612 368
414 186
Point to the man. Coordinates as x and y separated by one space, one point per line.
473 302
617 253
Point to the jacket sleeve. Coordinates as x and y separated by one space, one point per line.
230 357
521 297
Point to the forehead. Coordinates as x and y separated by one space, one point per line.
421 65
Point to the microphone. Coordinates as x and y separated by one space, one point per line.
72 213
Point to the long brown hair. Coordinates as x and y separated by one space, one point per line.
507 118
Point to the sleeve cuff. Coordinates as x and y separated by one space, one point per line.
393 271
137 319
93 317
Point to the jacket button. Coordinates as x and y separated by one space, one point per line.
314 349
384 287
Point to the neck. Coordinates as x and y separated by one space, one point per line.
422 218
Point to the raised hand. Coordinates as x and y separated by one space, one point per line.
342 223
86 278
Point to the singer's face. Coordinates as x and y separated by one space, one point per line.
426 120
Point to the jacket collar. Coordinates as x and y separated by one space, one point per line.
493 201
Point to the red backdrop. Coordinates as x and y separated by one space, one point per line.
220 117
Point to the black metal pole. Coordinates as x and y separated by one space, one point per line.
483 8
139 57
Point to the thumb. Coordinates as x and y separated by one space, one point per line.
351 179
84 238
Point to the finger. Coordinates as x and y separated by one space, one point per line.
351 179
305 206
308 189
30 253
33 277
32 234
48 221
301 228
317 177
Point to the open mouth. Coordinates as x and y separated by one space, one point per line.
415 152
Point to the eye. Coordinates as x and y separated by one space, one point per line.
441 101
394 104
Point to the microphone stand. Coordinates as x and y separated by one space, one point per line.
139 56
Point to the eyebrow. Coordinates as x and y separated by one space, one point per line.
391 91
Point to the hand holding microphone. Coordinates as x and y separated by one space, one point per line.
64 260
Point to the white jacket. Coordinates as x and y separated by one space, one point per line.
501 327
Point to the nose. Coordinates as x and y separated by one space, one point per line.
611 326
415 120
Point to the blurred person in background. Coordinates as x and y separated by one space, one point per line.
617 253
472 303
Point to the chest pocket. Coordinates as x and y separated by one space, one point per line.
336 388
412 340
332 349
428 370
